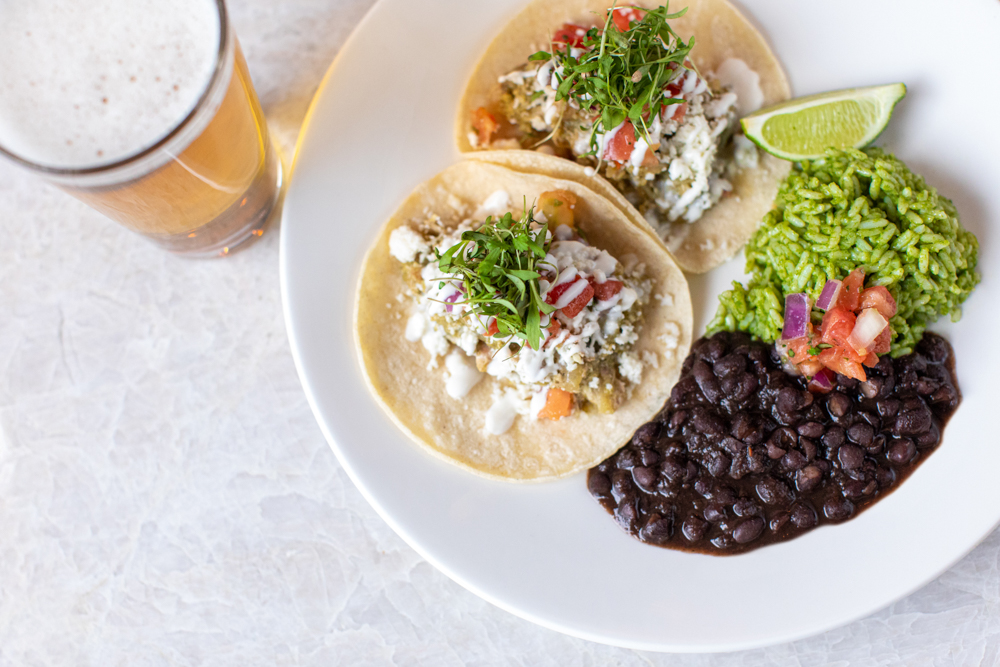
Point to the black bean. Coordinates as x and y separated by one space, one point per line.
808 478
694 528
706 380
626 515
708 422
673 469
646 435
677 419
722 542
913 421
837 404
644 477
870 388
901 451
834 437
810 429
718 464
598 483
861 433
794 460
627 459
888 407
748 530
929 438
877 445
648 457
745 507
803 515
621 485
808 448
731 364
714 512
773 491
658 529
710 463
885 476
838 508
850 456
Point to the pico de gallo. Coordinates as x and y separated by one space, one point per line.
853 331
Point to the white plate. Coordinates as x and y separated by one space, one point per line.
382 123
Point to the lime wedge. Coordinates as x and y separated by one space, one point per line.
803 128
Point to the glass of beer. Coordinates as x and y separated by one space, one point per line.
144 110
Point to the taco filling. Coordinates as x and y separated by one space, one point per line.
528 301
626 100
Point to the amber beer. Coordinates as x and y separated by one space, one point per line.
173 146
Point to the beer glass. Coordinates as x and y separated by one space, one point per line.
159 129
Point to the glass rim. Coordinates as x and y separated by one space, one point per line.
217 72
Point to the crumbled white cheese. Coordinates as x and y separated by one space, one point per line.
665 298
500 417
406 244
650 359
630 367
415 327
463 375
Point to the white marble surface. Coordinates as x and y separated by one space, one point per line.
166 497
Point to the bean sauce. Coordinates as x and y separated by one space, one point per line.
743 455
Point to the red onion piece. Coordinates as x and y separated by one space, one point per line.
822 382
828 297
797 309
869 325
452 298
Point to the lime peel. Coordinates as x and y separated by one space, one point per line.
804 127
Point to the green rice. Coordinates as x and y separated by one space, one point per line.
855 208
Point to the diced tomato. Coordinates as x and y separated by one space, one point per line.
554 328
797 349
485 124
573 308
871 360
492 329
811 366
558 404
838 323
850 293
553 294
619 149
837 359
880 299
623 15
570 34
678 111
557 205
882 342
674 87
606 290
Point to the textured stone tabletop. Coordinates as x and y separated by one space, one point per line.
166 497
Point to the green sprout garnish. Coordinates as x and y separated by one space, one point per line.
623 74
497 264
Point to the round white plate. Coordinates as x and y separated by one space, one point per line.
382 123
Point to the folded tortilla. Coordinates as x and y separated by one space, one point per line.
414 395
721 32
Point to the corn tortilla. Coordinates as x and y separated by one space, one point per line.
721 32
414 395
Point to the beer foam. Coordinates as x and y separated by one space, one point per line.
84 84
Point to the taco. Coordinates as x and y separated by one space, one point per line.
519 325
647 100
